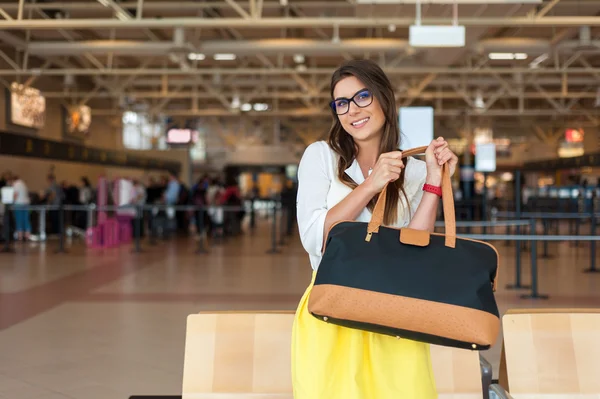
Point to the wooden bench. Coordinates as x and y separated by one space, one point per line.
239 355
551 354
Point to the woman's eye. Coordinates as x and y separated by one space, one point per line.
341 103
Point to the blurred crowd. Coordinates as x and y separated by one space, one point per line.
168 190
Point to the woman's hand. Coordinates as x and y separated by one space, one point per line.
387 169
437 154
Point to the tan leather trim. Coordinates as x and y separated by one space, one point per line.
409 236
440 319
430 234
448 205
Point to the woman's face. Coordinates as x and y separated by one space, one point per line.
362 123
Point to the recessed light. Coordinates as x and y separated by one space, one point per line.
224 57
196 56
507 56
261 107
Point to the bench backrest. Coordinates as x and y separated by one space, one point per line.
250 353
551 351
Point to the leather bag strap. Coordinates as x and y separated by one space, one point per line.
447 203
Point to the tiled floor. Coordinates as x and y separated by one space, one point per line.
110 324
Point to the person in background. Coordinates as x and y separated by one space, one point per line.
232 198
199 200
55 197
86 192
5 178
215 212
170 198
86 197
21 199
171 194
288 203
140 200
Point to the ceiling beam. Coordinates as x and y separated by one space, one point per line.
194 5
322 83
238 9
287 71
547 8
139 9
276 22
5 15
9 60
303 112
294 95
415 92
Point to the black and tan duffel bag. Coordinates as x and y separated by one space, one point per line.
412 284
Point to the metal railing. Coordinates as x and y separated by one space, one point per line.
147 214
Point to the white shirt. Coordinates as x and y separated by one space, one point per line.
21 192
319 190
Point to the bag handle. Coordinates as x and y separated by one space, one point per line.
447 203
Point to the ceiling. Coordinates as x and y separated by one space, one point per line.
159 56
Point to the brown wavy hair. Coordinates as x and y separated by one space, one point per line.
373 77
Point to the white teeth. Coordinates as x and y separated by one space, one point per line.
360 121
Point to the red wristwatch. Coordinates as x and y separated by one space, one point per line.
433 189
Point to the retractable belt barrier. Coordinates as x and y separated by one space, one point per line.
138 212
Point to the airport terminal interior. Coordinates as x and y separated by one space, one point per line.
149 157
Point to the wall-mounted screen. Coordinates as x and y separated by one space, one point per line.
27 106
485 157
181 136
416 126
79 119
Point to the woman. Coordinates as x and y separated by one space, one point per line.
340 180
21 200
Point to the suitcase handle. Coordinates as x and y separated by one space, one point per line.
447 203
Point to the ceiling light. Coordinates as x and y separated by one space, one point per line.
246 107
298 58
196 56
391 28
224 57
261 107
507 56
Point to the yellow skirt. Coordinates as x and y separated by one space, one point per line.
333 362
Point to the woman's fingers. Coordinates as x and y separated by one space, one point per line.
391 155
395 170
394 162
445 156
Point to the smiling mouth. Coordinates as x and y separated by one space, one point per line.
360 122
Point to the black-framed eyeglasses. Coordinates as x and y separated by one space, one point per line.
362 98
